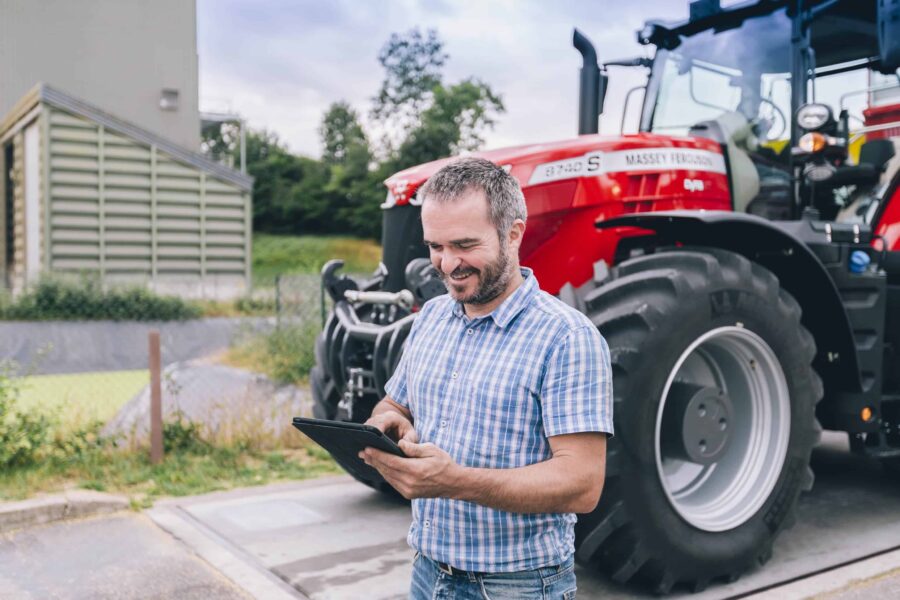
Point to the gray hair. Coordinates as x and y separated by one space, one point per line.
505 200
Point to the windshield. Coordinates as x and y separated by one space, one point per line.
727 74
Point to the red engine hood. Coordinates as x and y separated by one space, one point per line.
585 156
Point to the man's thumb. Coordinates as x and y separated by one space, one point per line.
411 449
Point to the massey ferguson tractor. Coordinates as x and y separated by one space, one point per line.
740 254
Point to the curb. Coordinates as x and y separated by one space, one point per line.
48 509
837 580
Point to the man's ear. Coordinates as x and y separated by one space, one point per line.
516 232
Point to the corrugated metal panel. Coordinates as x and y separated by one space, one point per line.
118 205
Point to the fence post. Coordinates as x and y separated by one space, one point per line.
278 300
156 436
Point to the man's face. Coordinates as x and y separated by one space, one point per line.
465 248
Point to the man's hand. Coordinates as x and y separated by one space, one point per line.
395 425
427 472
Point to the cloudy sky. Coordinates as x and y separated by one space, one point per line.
281 63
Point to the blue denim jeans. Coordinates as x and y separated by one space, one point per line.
429 582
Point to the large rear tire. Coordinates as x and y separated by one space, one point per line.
714 413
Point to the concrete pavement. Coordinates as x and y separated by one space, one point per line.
335 538
120 556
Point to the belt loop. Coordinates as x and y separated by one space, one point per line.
473 578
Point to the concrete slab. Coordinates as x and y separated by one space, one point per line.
120 556
335 538
46 509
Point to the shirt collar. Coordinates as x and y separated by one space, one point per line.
513 305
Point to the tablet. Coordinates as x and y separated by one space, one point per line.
345 440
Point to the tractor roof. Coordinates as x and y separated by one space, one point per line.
843 30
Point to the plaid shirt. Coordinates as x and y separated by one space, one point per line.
490 391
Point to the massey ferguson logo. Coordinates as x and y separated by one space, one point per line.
693 185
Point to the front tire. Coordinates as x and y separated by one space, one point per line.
715 418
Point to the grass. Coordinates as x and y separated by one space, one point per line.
77 400
182 472
280 254
247 446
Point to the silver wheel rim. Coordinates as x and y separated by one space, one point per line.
728 492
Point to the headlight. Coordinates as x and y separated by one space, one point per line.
811 142
813 116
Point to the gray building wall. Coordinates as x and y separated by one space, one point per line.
116 54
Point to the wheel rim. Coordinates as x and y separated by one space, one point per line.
720 484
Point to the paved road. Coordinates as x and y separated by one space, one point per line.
123 556
334 538
81 347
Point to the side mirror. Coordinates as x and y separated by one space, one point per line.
889 35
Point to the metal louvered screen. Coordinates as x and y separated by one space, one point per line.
127 210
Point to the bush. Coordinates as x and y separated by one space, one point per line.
58 299
286 354
23 435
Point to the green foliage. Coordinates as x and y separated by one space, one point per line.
419 116
180 434
23 434
59 299
452 124
412 63
343 137
279 254
285 354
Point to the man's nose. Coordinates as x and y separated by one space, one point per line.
449 263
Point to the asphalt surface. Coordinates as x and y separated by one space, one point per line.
88 346
122 556
333 538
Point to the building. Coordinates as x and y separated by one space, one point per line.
100 170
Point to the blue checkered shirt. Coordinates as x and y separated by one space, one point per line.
490 391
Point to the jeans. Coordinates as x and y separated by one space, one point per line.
548 583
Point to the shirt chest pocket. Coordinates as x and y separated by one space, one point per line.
503 415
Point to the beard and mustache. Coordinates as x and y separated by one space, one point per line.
493 280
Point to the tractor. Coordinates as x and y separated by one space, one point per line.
740 254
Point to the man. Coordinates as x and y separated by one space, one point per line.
502 403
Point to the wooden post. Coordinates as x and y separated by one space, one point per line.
156 436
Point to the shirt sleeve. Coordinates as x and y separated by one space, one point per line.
576 394
397 386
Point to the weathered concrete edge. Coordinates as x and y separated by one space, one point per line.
74 504
223 556
835 580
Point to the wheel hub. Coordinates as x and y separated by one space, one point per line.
697 420
722 428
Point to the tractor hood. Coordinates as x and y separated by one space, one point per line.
587 156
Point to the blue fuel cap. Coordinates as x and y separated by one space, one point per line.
859 260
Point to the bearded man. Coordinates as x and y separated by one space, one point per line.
502 402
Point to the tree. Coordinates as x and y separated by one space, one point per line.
412 64
452 124
342 134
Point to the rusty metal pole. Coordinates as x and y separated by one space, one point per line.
156 437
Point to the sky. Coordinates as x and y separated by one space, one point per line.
280 63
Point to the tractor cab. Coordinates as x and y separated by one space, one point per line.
740 76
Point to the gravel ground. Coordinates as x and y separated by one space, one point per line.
227 400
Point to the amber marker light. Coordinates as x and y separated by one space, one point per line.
812 142
866 414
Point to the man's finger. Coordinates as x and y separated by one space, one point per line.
414 450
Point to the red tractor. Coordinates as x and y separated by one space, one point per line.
740 254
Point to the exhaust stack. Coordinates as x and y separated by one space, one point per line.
593 86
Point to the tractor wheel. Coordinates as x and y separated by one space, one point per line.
324 390
714 413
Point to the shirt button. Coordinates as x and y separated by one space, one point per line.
470 331
427 524
455 375
443 422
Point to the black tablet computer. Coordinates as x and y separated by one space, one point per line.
344 441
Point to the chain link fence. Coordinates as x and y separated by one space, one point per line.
300 299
